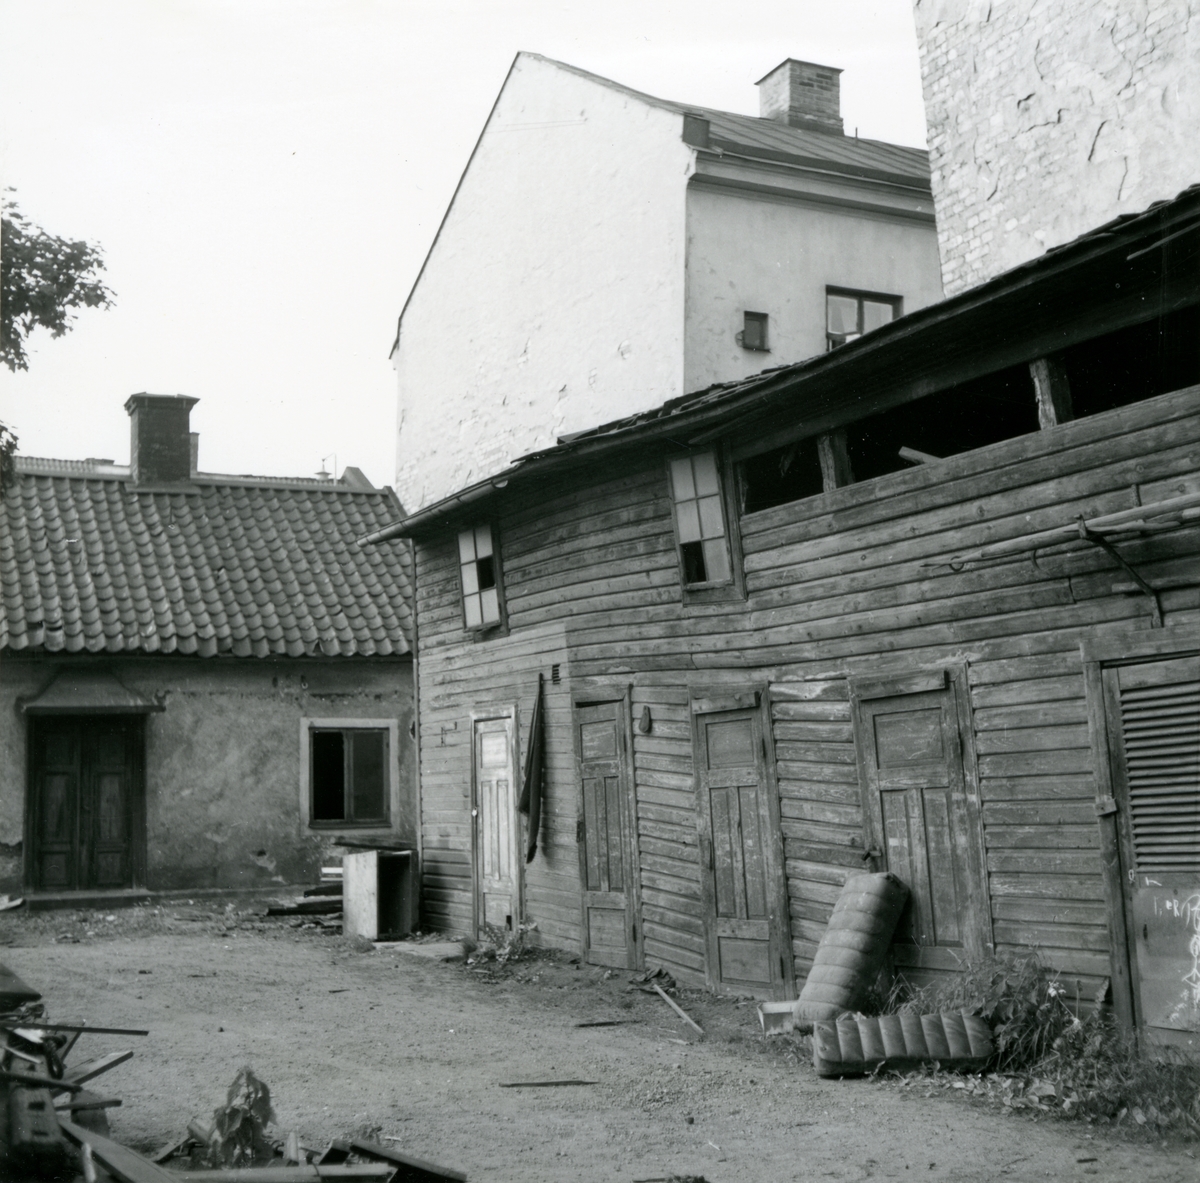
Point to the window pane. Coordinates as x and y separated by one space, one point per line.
466 546
485 569
716 560
876 314
490 606
711 525
693 562
681 479
472 611
843 314
368 768
328 777
689 521
470 578
483 541
707 481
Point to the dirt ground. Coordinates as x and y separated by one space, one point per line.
357 1040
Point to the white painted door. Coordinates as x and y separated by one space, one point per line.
497 858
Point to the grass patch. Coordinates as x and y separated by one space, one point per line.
1056 1054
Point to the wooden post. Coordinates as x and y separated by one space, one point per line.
835 460
1053 392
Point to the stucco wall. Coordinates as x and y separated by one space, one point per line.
223 775
552 299
748 253
1048 118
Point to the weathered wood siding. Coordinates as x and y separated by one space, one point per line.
849 582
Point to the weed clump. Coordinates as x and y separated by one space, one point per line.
1057 1055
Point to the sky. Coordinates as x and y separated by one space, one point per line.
265 178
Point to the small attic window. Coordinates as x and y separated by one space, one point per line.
754 332
479 569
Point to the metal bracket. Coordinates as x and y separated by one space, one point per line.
1156 617
1105 806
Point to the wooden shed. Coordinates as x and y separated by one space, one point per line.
928 602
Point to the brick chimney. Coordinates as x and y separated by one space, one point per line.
160 450
802 94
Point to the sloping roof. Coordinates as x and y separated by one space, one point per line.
770 139
1027 306
739 135
243 567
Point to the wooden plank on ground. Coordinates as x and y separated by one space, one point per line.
411 1169
90 1069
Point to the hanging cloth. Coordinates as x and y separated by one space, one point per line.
531 787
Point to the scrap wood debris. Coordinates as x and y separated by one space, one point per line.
53 1129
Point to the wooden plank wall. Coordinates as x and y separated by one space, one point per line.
847 582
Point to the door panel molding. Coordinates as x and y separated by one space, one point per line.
496 848
607 827
744 896
85 802
922 813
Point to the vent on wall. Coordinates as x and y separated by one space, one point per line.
555 676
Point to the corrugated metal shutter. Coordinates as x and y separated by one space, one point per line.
1160 725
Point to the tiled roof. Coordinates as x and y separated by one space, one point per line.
234 566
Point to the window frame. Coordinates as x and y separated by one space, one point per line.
391 763
896 303
711 591
486 628
763 320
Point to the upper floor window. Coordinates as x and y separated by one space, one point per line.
700 520
849 314
479 567
754 332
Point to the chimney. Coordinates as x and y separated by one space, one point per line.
802 94
160 450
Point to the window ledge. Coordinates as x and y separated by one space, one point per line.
315 824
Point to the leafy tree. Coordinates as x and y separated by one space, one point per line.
42 279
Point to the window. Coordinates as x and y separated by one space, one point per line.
754 332
781 475
479 567
700 520
348 775
850 314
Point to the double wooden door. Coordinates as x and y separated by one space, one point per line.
922 816
742 881
606 833
85 802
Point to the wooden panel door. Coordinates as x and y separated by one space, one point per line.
923 824
497 835
1153 726
744 892
85 796
606 833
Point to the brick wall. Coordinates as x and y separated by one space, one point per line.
1049 117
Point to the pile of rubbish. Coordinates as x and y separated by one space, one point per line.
55 1129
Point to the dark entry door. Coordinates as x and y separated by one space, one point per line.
923 821
607 856
1154 731
741 868
85 795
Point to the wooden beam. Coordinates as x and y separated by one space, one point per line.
835 460
1053 390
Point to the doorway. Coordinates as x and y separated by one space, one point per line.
607 829
743 888
495 829
922 816
85 818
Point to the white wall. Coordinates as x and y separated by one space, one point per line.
772 255
552 300
1048 118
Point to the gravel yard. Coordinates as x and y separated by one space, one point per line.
358 1040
